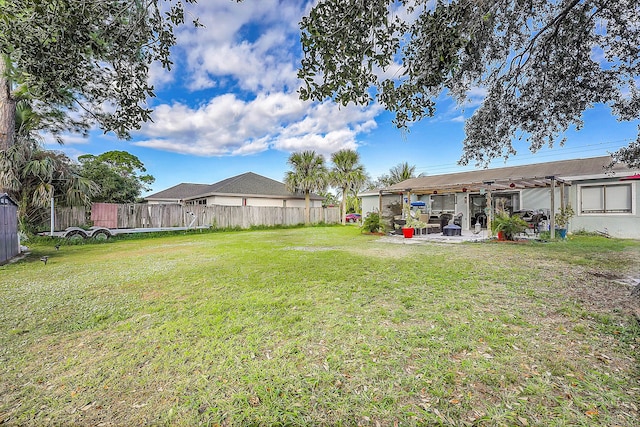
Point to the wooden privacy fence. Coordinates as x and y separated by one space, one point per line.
68 217
174 215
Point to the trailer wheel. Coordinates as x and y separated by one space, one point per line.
101 235
76 235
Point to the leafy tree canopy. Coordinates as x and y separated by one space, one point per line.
83 62
119 175
542 63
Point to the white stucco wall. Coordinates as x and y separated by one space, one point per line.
224 201
299 203
162 202
623 225
370 204
540 198
263 201
462 206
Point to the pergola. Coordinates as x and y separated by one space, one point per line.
486 186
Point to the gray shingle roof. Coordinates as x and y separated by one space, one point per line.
526 175
249 184
180 192
246 184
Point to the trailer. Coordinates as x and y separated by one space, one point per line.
103 233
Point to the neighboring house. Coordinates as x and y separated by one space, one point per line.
248 189
9 241
605 201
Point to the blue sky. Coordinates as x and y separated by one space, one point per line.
229 106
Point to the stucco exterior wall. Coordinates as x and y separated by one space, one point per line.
299 203
622 225
462 206
536 198
369 204
224 201
260 201
162 202
540 198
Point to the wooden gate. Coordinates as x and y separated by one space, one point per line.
104 215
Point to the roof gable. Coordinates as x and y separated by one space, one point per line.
246 184
249 183
252 184
179 192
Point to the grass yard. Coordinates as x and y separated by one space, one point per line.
320 326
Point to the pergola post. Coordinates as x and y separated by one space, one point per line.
552 220
489 208
489 212
408 190
380 203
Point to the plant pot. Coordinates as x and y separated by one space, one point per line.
562 233
407 233
501 236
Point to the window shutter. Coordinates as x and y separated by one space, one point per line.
592 199
618 198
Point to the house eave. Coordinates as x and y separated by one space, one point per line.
253 196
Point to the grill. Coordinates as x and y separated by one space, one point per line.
452 230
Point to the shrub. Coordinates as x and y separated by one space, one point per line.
372 223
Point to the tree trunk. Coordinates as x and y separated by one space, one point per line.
343 206
307 208
7 109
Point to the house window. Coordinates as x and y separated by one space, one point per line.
614 198
443 203
506 203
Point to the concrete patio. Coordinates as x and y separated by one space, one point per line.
466 236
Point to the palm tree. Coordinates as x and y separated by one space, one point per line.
32 176
309 175
402 172
347 174
398 173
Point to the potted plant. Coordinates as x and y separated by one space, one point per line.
562 220
407 232
407 227
507 227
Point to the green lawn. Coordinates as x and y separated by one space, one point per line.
320 326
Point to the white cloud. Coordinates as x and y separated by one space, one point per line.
68 139
159 77
248 50
475 96
454 112
227 125
323 144
249 43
